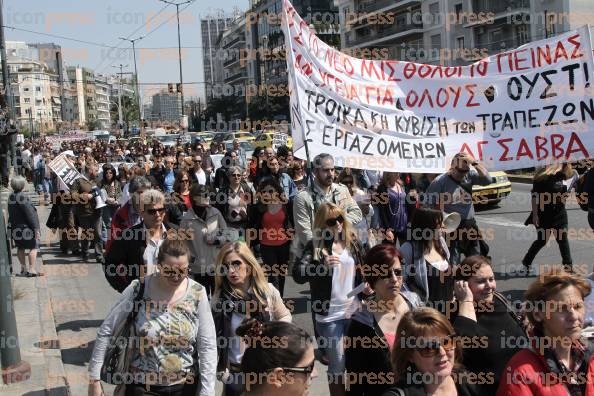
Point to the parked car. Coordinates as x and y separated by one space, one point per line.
167 140
248 147
494 192
221 137
267 139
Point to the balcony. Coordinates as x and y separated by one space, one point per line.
230 62
496 47
499 8
375 36
235 76
233 42
371 6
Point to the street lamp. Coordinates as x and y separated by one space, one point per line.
265 40
136 73
181 78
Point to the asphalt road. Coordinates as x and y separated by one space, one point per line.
81 297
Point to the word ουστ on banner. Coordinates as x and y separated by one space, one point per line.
526 107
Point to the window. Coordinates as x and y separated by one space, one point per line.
37 89
522 34
434 11
550 25
460 42
436 41
27 100
458 12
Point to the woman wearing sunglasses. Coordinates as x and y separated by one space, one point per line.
559 360
286 371
179 201
426 358
171 307
331 263
377 320
241 291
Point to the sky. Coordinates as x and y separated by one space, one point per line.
103 22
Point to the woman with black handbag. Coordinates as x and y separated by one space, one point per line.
171 331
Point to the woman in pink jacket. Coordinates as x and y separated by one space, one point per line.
559 361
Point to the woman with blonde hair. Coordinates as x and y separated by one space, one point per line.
241 291
331 263
549 193
426 357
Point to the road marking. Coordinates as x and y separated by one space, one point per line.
500 221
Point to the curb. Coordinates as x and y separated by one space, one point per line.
56 379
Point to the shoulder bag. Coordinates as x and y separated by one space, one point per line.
119 352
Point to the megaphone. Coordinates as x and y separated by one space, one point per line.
451 221
99 202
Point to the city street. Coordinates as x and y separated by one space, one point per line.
81 297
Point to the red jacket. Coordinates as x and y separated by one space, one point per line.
120 221
526 375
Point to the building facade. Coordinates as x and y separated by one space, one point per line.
35 93
212 28
232 41
102 99
166 107
449 32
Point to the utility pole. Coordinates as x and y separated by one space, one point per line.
121 88
181 76
136 74
12 367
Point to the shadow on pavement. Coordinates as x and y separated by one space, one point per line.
62 390
78 325
78 356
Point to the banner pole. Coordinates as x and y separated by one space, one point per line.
294 86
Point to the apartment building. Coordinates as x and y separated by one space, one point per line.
166 107
102 92
35 93
232 41
449 32
212 28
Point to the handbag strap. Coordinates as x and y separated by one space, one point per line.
137 297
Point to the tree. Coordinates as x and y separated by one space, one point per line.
130 111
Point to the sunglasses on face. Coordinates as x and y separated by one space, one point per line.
432 347
185 180
235 264
154 211
334 221
347 181
173 272
236 175
397 272
464 171
303 370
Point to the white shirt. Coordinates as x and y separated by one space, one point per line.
236 348
201 177
152 251
343 277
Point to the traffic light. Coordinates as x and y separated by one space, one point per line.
170 88
180 88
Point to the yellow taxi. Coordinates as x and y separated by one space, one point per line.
494 192
267 139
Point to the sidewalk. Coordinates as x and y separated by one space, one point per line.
36 330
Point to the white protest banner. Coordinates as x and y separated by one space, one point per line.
526 107
65 170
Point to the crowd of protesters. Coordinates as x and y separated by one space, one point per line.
402 293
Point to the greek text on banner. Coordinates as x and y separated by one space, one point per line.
526 107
